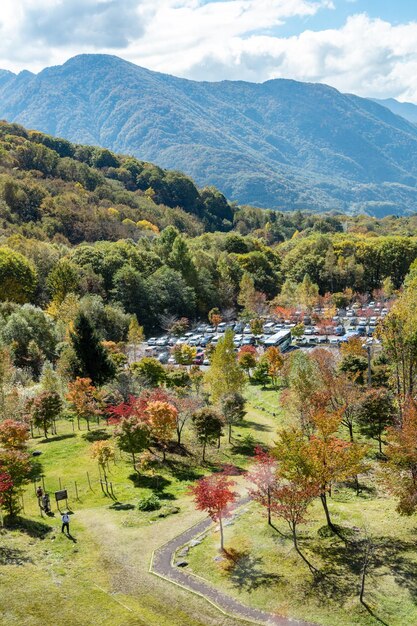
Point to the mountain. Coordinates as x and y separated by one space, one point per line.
405 109
280 144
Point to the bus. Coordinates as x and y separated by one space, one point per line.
281 340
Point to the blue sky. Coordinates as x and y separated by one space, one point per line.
368 47
393 11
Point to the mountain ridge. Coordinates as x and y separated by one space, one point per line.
280 144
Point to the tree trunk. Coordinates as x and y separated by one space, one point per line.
204 451
134 461
350 426
179 436
269 507
88 423
221 534
230 433
297 549
45 431
380 443
323 499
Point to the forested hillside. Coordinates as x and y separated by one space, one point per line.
280 144
85 229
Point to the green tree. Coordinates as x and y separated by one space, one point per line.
247 295
256 326
224 376
132 436
92 358
374 413
63 280
135 335
208 426
18 278
260 375
233 410
184 354
45 409
151 370
308 293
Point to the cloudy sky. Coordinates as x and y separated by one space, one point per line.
368 47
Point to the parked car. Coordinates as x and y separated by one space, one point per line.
339 331
195 340
163 357
151 341
199 359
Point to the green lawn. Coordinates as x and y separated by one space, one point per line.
263 569
46 578
105 572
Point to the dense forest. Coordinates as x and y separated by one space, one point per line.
83 229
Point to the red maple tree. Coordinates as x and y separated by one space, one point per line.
122 411
263 477
6 486
214 494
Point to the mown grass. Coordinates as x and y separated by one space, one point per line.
263 569
103 575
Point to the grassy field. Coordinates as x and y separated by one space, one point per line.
47 578
263 569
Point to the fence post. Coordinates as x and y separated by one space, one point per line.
76 490
89 482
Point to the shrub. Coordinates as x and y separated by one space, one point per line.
149 503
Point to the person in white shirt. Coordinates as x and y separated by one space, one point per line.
65 523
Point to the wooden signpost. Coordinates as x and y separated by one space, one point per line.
61 495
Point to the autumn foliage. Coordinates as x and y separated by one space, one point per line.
214 495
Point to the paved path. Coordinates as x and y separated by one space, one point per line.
161 565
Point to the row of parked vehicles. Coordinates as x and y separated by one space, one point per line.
350 322
354 321
273 334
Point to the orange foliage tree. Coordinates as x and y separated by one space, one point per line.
162 418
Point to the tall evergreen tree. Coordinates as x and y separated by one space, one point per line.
92 358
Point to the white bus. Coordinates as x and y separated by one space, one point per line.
281 340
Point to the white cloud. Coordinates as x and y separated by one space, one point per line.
213 40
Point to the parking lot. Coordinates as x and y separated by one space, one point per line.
318 327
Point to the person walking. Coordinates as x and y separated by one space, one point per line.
65 523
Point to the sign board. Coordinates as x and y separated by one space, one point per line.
61 495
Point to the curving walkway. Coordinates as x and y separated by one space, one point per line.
162 565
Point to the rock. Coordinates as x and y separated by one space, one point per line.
218 559
181 564
184 551
195 542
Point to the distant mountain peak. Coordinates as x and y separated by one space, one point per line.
281 144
